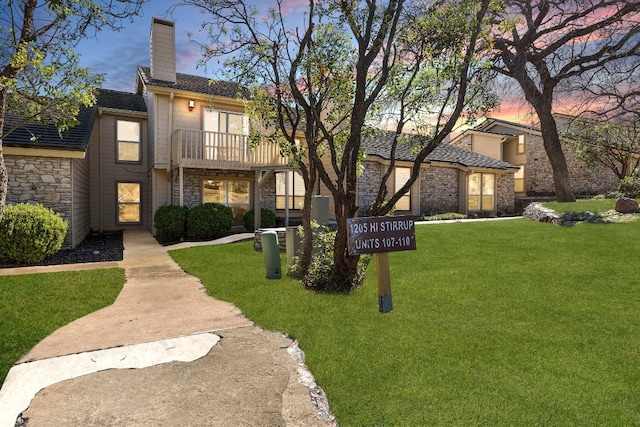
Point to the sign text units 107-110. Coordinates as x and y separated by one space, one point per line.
371 235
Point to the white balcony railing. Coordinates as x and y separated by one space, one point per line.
215 150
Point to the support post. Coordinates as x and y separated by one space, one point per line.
384 282
181 185
257 208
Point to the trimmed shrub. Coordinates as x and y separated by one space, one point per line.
30 233
322 275
209 221
267 219
170 222
630 186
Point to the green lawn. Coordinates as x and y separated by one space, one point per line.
583 205
33 306
494 323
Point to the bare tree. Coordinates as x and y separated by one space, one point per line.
328 79
545 44
40 76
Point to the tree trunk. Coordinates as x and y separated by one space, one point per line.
307 249
346 266
553 147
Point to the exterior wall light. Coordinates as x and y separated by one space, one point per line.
192 104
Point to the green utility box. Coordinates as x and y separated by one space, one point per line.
271 252
320 209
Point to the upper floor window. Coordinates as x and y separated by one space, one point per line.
128 141
402 175
521 144
225 122
225 135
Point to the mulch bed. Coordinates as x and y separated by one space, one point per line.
96 247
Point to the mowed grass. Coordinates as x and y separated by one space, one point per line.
494 323
33 306
582 205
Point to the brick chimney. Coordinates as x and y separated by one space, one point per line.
163 50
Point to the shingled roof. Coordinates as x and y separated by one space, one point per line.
37 135
379 144
121 100
196 84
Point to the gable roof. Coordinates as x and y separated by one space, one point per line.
189 83
379 144
38 135
490 122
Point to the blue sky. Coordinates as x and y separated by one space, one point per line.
117 54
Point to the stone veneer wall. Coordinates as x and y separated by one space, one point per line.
268 193
368 185
192 178
440 190
465 142
43 180
584 180
505 200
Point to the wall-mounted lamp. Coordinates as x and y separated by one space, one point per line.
192 104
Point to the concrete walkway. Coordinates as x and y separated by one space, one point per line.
163 354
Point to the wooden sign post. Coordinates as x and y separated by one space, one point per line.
379 236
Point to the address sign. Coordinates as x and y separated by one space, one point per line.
370 235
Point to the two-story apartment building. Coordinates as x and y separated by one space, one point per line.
198 145
183 140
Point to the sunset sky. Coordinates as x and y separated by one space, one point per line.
117 54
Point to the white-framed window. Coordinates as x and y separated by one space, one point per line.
225 135
522 144
401 176
518 180
232 193
481 192
129 205
289 184
128 141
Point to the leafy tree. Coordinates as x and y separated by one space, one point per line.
349 66
40 75
614 145
547 44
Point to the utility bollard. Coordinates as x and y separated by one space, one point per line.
271 252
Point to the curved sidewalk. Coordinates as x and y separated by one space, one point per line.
164 353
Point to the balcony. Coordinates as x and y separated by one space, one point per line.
215 150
